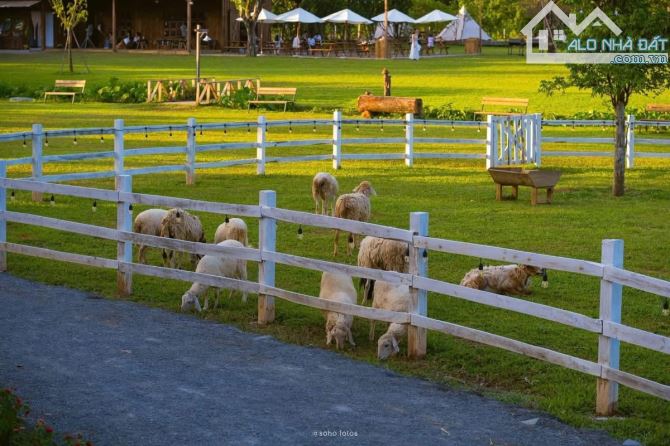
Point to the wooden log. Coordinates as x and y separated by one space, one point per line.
390 104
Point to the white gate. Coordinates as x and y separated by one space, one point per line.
513 140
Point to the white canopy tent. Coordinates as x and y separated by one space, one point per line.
435 16
264 16
464 27
347 17
395 16
298 16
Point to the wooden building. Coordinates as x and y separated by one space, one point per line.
23 23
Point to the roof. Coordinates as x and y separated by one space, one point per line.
18 4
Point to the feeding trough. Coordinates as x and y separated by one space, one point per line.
516 176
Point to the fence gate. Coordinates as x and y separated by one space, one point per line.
513 140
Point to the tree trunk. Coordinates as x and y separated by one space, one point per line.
68 44
251 37
619 150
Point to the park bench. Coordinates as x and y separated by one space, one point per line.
658 108
325 50
65 88
274 95
514 103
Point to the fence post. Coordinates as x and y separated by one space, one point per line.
124 250
418 265
610 310
337 139
491 149
190 152
537 139
630 142
38 136
3 220
267 241
260 146
119 134
409 139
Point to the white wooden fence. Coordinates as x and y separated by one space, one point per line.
509 140
608 325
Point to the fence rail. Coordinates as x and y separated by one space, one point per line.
608 325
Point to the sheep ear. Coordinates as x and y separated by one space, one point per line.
396 347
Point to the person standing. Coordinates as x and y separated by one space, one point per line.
414 48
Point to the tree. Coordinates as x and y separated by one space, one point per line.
642 19
70 14
249 11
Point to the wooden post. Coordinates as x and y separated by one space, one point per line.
337 139
124 250
190 152
537 140
119 134
149 97
3 221
36 162
418 265
409 139
630 142
260 146
43 22
189 31
491 143
610 310
267 236
114 26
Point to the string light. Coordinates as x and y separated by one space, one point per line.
452 126
300 234
52 200
24 140
12 197
479 127
314 127
573 126
290 127
545 278
200 129
425 254
46 139
146 135
248 128
130 208
225 129
94 207
170 127
74 141
358 128
102 138
424 125
381 125
226 220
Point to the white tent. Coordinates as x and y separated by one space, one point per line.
464 27
347 16
379 30
264 16
436 16
298 15
395 16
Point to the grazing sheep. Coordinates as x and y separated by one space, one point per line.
394 298
338 288
148 222
324 192
222 266
354 206
232 229
507 279
380 253
179 224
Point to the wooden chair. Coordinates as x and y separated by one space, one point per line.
65 88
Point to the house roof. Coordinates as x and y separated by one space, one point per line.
571 20
19 4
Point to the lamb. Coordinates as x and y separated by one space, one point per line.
338 288
324 192
179 224
506 279
222 266
354 206
148 222
232 229
385 254
394 298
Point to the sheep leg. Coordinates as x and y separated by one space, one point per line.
216 302
141 255
337 239
351 338
316 206
243 276
372 330
351 242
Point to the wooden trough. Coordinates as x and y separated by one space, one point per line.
516 176
369 104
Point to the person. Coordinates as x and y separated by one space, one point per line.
125 42
108 42
415 48
430 44
278 43
88 40
318 39
296 44
311 42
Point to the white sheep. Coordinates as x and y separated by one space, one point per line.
354 206
380 253
232 229
394 298
324 192
338 288
223 266
505 279
179 224
148 222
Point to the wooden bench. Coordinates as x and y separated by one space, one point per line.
514 103
287 95
63 84
325 50
658 108
535 179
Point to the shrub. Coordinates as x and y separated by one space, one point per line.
238 99
125 92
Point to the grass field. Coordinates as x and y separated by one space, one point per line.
457 194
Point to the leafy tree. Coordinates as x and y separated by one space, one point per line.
640 19
249 11
70 14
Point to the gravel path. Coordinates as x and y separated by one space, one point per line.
125 374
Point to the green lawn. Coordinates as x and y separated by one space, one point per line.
458 194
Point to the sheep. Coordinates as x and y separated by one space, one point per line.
394 298
324 192
179 224
338 288
380 253
232 229
354 206
506 279
222 266
148 222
